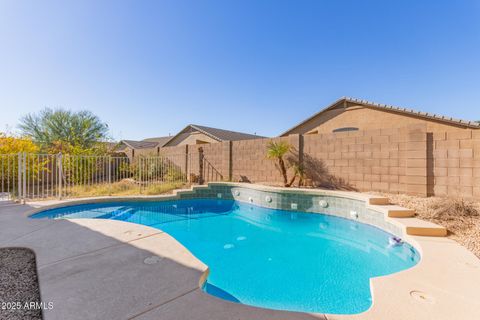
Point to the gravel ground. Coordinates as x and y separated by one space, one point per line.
460 216
18 284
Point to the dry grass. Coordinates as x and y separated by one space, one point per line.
123 188
460 216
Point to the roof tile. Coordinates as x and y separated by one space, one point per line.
433 116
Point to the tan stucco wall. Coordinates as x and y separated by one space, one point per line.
140 152
193 137
365 118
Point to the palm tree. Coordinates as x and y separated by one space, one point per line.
276 151
48 128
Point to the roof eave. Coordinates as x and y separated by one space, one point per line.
127 144
313 116
207 133
194 127
426 115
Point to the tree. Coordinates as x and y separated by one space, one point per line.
64 129
277 151
12 145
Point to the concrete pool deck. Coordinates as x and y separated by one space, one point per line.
106 269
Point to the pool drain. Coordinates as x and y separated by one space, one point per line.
152 260
422 297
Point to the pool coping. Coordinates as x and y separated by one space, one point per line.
412 285
396 215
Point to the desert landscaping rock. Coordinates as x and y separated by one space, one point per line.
18 284
460 216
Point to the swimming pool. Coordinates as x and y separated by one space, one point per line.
270 258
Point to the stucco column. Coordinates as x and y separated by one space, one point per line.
416 160
200 166
226 169
186 164
296 141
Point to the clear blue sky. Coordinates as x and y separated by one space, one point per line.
148 68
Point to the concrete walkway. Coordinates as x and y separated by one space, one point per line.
106 269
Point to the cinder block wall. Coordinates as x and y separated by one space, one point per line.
178 156
406 160
249 161
187 159
213 166
456 163
367 160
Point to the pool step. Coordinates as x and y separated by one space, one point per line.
417 227
404 218
393 211
378 200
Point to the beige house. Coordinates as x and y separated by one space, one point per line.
347 114
147 147
190 135
194 134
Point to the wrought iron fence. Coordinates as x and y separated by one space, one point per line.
27 176
10 175
209 172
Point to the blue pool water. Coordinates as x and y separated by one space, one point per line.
269 258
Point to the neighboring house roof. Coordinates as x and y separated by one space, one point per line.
214 133
384 107
149 143
160 140
139 144
110 145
